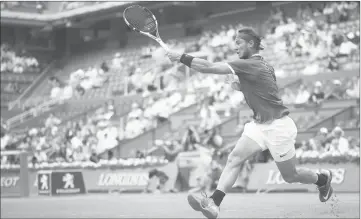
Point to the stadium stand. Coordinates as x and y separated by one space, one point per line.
314 42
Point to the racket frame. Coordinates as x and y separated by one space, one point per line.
157 37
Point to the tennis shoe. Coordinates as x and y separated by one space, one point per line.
204 204
326 190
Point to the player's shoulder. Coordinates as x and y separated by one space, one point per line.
242 61
241 64
248 66
250 62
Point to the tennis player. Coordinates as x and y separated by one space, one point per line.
271 127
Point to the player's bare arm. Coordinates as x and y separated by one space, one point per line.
201 65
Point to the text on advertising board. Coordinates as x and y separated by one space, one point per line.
123 179
275 177
9 181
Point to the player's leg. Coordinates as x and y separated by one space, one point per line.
293 174
245 148
281 140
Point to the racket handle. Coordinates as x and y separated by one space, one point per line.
163 45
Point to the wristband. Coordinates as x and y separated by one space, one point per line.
186 60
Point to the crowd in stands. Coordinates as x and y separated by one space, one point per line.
308 94
15 68
71 5
14 63
87 79
330 146
12 87
313 35
308 33
41 6
319 36
80 140
29 6
76 86
86 139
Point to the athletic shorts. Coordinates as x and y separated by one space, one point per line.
279 137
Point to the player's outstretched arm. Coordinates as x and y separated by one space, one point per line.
200 65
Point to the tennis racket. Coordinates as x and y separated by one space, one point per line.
142 20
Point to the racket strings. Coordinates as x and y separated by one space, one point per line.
140 19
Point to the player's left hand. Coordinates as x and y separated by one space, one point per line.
174 56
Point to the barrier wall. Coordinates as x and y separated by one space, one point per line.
70 181
263 177
346 178
10 182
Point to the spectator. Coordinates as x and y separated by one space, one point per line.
40 7
111 155
117 61
135 112
86 80
209 116
60 91
134 127
52 123
104 66
76 141
338 92
4 128
354 144
190 139
338 142
302 96
354 91
5 140
333 64
343 13
105 113
139 154
107 138
317 96
312 69
94 157
338 38
347 48
354 37
12 88
213 139
319 141
171 149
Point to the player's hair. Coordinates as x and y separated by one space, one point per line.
253 36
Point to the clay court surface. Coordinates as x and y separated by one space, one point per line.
272 205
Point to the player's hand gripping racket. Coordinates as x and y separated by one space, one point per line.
142 20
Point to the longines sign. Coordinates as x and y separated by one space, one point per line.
267 177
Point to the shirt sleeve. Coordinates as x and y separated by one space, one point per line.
243 67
